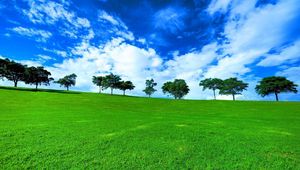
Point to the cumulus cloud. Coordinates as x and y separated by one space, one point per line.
38 35
251 33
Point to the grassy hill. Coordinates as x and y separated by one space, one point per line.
85 130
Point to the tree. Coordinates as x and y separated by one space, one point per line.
99 81
178 88
125 85
111 81
67 81
149 90
275 85
14 72
3 67
233 86
212 84
37 76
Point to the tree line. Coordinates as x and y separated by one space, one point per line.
178 88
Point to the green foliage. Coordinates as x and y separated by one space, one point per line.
3 65
150 84
37 76
212 84
125 85
111 81
275 85
52 130
12 71
178 88
98 81
233 86
67 81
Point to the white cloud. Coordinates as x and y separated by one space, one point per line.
290 54
252 33
170 19
218 5
39 35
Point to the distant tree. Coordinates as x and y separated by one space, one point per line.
212 84
67 81
125 85
98 81
14 72
111 81
178 88
233 86
149 90
37 76
275 85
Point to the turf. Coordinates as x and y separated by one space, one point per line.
57 130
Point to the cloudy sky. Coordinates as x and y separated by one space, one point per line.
164 40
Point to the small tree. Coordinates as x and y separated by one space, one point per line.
111 81
178 88
233 86
212 84
67 81
99 81
125 85
276 85
37 76
14 72
149 90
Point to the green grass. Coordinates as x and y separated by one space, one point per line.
58 130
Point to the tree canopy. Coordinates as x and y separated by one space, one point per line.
98 81
178 88
37 76
212 84
150 84
13 71
111 81
233 86
67 81
125 85
276 85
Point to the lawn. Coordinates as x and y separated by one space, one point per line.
57 130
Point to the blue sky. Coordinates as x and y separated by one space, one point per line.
164 40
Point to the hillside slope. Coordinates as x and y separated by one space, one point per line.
85 130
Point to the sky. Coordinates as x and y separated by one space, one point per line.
163 40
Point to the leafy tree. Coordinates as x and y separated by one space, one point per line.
99 81
14 72
150 84
111 81
212 84
233 86
67 81
125 85
3 65
37 76
178 88
275 85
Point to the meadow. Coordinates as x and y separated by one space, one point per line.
62 130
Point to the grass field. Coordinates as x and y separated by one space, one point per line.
58 130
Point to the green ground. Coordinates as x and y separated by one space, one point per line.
84 130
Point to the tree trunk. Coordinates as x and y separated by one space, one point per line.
148 95
276 94
67 88
123 92
214 94
99 89
233 97
16 83
111 91
36 86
